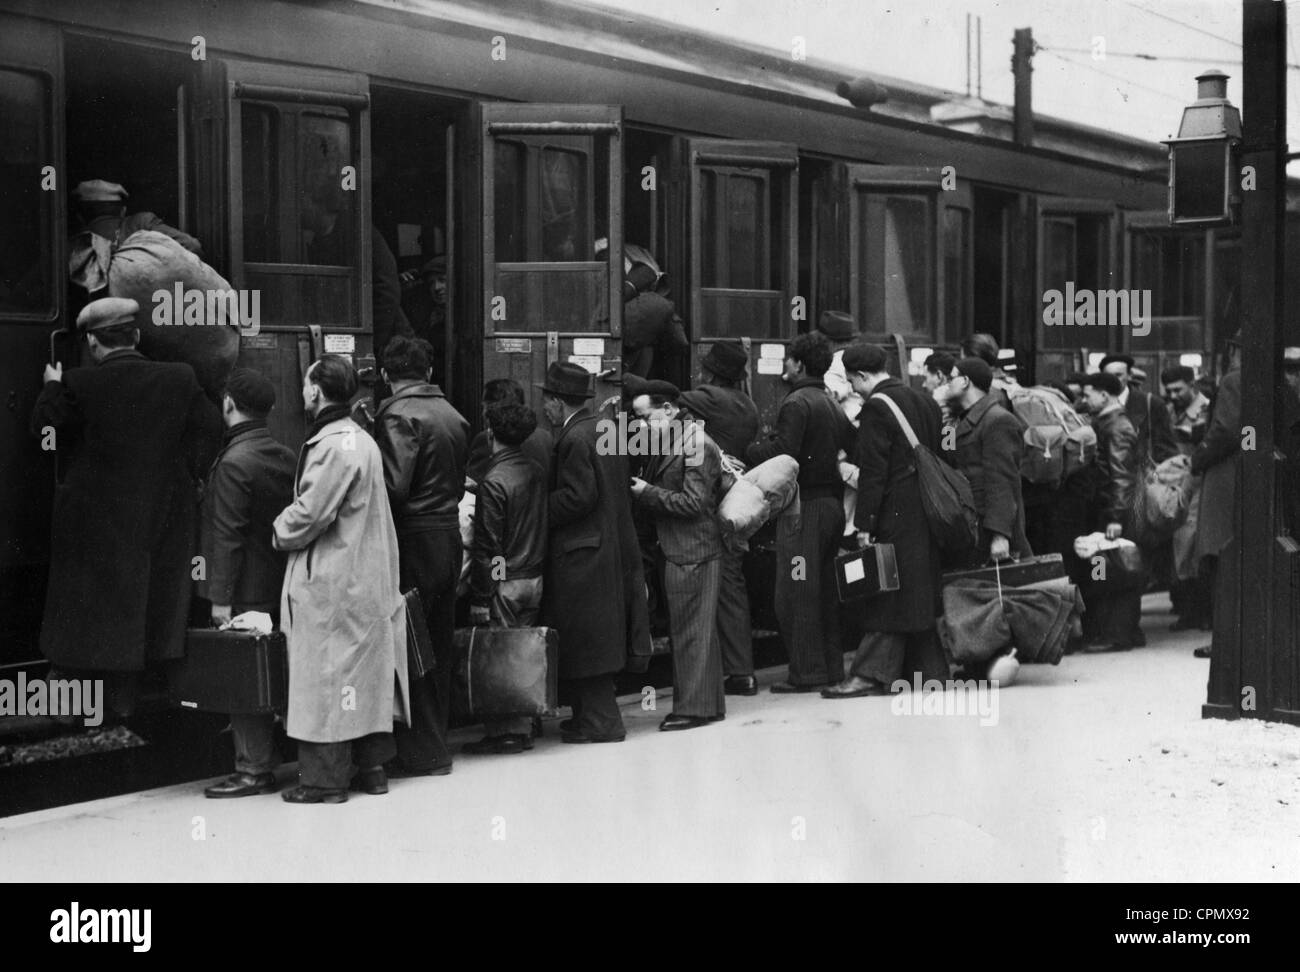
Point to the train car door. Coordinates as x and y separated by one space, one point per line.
33 285
743 258
282 166
1078 251
552 186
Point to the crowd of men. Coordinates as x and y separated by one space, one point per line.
568 533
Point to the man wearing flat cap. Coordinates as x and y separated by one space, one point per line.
251 481
105 224
133 437
731 419
1149 416
594 589
680 489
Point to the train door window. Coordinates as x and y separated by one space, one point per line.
1076 253
744 238
907 245
552 189
296 187
27 251
1170 266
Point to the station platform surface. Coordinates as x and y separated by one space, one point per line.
1098 769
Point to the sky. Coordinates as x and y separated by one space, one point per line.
925 41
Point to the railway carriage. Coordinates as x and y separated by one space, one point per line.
489 148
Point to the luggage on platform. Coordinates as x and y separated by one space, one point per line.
420 659
232 672
498 672
1014 573
866 572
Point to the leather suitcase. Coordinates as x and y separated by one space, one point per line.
867 572
1016 573
505 672
231 672
420 659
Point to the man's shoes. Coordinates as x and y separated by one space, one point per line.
854 687
1102 647
242 785
785 688
579 737
314 794
396 771
1202 652
514 742
674 722
740 685
372 781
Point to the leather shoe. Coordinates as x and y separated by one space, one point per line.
582 737
242 785
1201 652
396 771
854 688
1101 648
785 688
674 722
314 794
515 742
740 685
372 781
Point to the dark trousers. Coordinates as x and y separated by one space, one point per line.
330 766
429 560
594 704
885 656
253 733
807 607
735 633
692 591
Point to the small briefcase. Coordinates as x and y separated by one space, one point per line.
867 572
502 672
235 672
420 659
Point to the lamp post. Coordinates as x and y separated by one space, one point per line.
1202 170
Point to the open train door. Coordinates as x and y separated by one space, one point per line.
743 256
33 286
282 204
552 185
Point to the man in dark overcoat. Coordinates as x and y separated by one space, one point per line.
593 574
731 419
133 437
900 626
1148 415
812 428
987 448
250 482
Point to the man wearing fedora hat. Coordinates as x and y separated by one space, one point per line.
593 577
133 438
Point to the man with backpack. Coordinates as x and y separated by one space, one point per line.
900 625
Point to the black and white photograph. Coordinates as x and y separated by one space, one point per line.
592 441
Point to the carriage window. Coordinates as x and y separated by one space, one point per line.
25 276
564 207
260 164
1075 251
896 261
735 230
324 206
511 242
1172 267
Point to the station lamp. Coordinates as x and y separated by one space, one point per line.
1202 169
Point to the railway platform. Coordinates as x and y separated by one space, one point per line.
1098 769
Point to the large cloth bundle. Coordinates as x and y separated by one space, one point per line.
200 331
1160 503
982 620
758 496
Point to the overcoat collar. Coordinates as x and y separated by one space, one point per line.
423 390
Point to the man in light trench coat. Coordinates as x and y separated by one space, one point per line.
341 608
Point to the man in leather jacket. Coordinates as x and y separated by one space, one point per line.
508 553
424 442
1114 619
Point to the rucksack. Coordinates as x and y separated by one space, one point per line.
1057 442
946 495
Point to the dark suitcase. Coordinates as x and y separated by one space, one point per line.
867 572
505 672
420 660
231 672
1014 573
